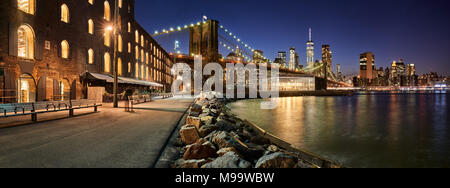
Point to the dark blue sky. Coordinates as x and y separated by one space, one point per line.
415 30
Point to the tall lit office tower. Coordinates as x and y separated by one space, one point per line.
366 65
282 55
411 70
338 68
292 58
327 56
310 51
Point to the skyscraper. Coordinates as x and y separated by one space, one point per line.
327 56
281 59
292 58
310 51
367 65
411 70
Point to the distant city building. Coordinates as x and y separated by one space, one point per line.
292 58
366 65
411 70
310 51
339 72
281 59
327 57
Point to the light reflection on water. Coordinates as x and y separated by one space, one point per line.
363 130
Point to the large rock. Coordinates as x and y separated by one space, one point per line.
200 151
181 163
194 121
260 140
223 151
277 160
189 134
226 125
196 108
229 160
207 129
248 151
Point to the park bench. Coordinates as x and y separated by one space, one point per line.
33 109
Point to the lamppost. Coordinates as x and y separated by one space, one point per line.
115 66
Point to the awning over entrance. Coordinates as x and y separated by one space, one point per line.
122 80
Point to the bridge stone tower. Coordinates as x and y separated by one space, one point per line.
204 40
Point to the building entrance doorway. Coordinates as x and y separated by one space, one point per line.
26 89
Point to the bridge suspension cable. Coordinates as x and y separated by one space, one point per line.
241 42
176 29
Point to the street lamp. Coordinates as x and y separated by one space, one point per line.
115 72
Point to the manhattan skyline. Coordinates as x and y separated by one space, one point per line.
414 30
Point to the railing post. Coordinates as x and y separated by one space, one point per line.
33 114
70 108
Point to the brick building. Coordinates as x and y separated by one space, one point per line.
48 47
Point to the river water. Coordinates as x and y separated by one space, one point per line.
383 130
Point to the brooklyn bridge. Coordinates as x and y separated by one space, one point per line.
207 37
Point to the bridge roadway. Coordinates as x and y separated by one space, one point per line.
111 138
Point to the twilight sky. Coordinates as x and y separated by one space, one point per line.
415 30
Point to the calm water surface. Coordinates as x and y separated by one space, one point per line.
363 130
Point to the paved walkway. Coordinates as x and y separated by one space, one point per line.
111 138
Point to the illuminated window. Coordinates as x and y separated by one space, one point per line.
91 2
65 13
129 67
25 42
91 26
129 27
107 60
119 66
142 55
142 40
129 47
137 70
107 14
120 3
28 6
107 39
137 36
137 52
147 58
65 49
120 43
91 56
142 71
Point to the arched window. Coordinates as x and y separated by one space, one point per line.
129 67
120 43
120 3
137 36
146 58
142 56
91 56
107 38
129 27
91 2
119 67
107 60
28 6
129 47
107 15
65 49
142 40
65 13
91 26
25 42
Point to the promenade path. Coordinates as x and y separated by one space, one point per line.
110 138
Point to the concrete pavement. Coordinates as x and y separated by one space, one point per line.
111 138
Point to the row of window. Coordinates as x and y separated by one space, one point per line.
26 41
